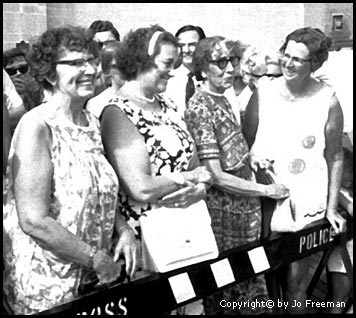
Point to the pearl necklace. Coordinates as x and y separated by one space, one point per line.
143 98
214 94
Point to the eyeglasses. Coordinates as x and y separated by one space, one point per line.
296 60
80 62
222 63
13 71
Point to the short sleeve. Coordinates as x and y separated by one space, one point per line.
200 123
11 97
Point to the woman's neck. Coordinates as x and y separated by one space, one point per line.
217 91
71 108
299 88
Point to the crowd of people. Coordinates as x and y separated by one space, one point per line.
97 130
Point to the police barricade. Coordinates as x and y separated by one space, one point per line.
163 292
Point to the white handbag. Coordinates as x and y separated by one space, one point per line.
177 237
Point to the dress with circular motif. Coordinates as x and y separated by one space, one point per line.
297 166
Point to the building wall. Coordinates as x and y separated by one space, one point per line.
320 15
21 21
248 22
264 24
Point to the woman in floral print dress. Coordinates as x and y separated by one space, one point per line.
233 200
61 200
145 139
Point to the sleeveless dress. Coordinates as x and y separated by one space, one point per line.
292 134
236 219
83 200
169 145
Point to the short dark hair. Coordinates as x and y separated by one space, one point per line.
132 57
315 40
8 55
104 25
190 27
44 53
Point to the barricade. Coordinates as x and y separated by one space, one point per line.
160 293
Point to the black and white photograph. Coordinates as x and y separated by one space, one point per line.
177 159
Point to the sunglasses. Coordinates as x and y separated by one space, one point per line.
13 71
222 63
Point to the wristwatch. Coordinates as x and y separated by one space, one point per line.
93 250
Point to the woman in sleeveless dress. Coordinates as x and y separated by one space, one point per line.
60 210
144 137
299 126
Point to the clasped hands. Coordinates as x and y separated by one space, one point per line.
197 181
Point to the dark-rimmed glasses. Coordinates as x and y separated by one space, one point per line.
13 71
222 63
80 62
296 60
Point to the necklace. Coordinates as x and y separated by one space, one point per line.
143 98
214 94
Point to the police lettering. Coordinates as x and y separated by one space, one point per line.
315 239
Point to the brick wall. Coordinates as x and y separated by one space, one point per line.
256 23
264 24
22 21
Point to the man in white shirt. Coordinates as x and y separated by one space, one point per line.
188 37
12 100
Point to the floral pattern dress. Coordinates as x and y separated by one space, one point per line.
83 200
169 145
236 219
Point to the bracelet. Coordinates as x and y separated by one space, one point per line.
93 250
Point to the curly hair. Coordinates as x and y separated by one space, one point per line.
104 25
315 40
132 57
44 53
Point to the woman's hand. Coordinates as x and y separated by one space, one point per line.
127 246
336 220
199 175
262 163
185 196
105 267
277 191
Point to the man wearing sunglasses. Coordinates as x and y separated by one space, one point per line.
17 68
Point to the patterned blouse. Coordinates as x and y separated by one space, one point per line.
83 200
169 145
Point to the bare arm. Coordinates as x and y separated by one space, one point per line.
33 173
127 153
239 186
33 170
334 159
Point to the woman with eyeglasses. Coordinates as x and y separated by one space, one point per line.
234 198
65 190
145 138
299 124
